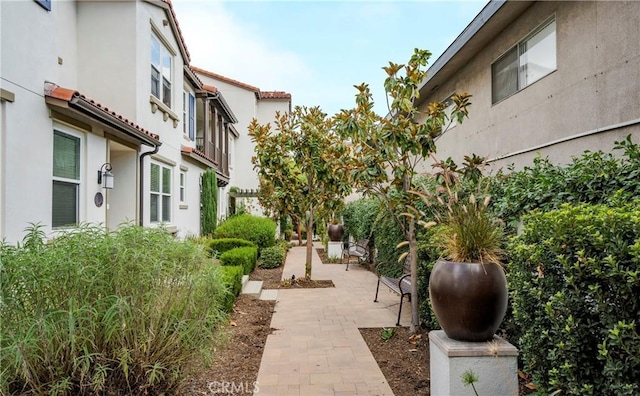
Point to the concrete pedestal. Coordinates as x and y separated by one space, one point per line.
334 250
494 363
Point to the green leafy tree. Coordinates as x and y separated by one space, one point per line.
299 164
386 151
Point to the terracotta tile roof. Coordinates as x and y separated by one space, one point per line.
191 150
70 95
274 95
225 79
209 88
178 30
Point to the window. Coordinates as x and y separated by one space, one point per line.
183 185
188 115
527 62
66 179
160 71
160 202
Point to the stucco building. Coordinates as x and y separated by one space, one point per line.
550 78
94 89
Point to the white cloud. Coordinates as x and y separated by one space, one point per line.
221 43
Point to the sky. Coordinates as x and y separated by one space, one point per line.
317 50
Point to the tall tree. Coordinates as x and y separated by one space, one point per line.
386 151
209 202
300 163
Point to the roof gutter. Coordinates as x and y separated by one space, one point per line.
87 107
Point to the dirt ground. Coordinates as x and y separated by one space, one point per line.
403 359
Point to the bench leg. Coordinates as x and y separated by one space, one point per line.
400 310
377 288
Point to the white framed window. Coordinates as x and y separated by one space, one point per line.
189 115
161 70
65 202
183 186
160 194
527 62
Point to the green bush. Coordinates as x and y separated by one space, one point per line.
272 257
94 312
594 177
225 244
359 217
246 257
259 230
231 278
386 237
574 279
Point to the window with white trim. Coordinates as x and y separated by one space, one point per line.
66 180
160 199
189 115
527 62
161 71
183 186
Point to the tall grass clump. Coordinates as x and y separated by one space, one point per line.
92 311
259 230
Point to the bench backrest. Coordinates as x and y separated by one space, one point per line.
361 245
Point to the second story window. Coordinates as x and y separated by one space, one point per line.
528 61
161 61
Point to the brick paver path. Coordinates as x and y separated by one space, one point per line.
317 348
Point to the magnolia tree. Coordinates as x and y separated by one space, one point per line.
299 164
386 151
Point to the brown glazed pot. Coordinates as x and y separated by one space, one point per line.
469 299
335 231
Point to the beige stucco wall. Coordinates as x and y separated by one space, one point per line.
595 90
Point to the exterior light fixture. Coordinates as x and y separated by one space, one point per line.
105 177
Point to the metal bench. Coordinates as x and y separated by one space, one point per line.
360 250
401 285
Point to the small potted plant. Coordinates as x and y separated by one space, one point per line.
468 287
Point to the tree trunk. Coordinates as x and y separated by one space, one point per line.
413 252
307 266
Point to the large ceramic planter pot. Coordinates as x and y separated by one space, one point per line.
335 231
469 299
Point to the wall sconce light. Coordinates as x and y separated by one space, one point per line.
106 176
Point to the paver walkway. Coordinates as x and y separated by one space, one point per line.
317 348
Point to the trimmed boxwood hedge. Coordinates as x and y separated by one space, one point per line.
259 230
272 257
231 276
222 245
243 256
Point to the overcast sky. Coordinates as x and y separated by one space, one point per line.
317 50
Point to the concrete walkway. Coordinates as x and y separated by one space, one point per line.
317 348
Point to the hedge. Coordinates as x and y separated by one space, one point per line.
242 256
574 279
272 257
231 277
225 244
259 230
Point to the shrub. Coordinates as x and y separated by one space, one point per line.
272 257
94 312
359 217
245 257
574 279
225 244
386 237
231 278
259 230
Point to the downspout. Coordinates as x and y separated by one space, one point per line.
141 209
